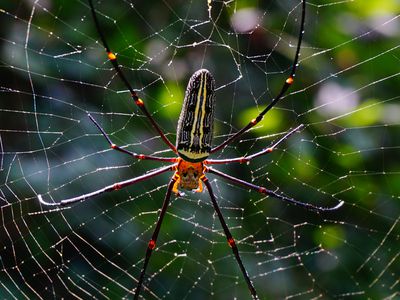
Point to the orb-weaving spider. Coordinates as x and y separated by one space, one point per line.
193 146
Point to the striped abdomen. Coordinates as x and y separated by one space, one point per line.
195 125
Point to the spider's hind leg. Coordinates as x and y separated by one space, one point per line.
230 240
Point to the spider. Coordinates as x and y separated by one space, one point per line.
193 147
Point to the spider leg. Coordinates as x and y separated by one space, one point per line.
247 158
153 240
229 238
109 188
289 81
139 102
265 191
135 155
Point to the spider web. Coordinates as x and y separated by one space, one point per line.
54 71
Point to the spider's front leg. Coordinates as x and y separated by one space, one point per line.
139 102
133 154
247 158
288 82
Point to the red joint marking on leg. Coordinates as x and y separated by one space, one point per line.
117 186
290 80
152 244
231 242
243 160
111 56
113 146
134 96
254 121
139 102
262 189
269 149
141 156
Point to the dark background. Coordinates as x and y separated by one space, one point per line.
54 71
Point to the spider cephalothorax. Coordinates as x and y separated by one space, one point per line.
189 176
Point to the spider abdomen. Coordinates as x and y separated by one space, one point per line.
195 125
